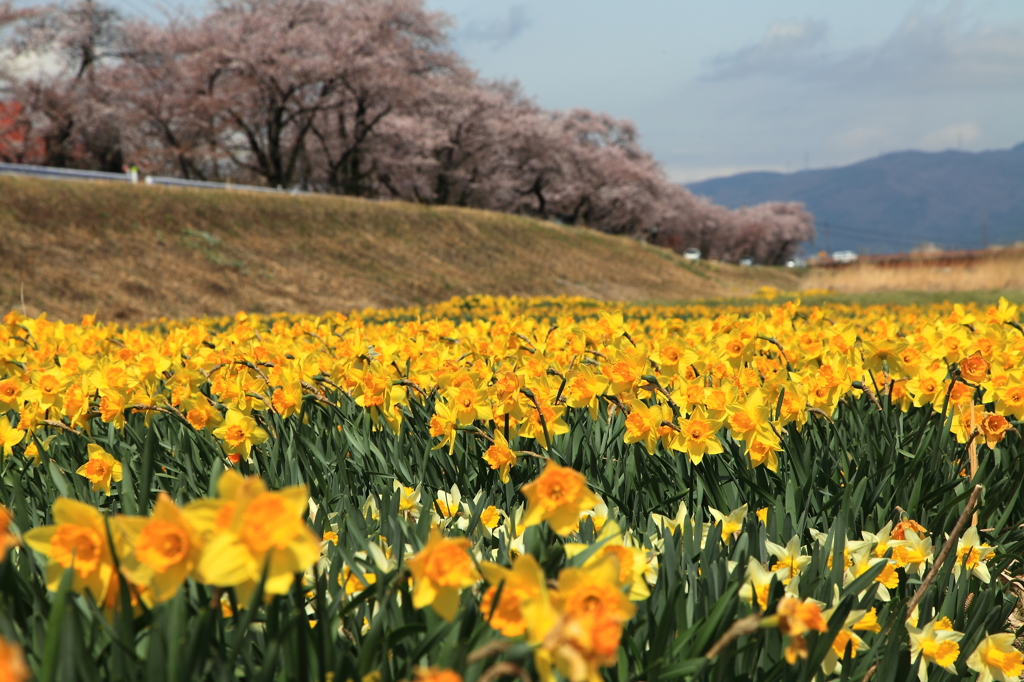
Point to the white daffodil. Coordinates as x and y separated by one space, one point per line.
879 541
732 522
846 637
995 659
490 516
757 583
668 525
935 643
788 560
409 503
971 554
599 515
447 506
913 553
862 561
514 541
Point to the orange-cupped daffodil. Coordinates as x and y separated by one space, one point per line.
559 495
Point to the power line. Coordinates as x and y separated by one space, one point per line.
858 230
848 231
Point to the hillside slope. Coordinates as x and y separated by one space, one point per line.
897 201
138 252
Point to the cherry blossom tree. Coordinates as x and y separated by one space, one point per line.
291 91
174 125
61 105
454 148
390 58
771 232
264 70
360 97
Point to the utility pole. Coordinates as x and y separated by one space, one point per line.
984 230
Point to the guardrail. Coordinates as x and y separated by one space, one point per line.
203 184
61 173
75 174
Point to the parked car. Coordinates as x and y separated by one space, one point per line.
746 262
844 256
691 254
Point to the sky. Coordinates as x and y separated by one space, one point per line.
726 86
717 88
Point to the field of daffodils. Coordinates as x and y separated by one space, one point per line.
536 489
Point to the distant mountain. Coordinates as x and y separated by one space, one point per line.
897 201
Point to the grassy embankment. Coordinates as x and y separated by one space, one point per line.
137 252
927 280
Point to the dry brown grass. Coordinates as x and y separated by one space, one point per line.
136 252
1002 269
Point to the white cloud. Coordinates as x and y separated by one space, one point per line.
862 137
939 51
686 176
926 52
951 137
31 64
500 31
784 47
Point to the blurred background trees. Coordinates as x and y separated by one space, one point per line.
356 97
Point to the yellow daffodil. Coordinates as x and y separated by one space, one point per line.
352 582
632 560
1010 400
442 425
971 555
101 469
500 457
913 553
287 398
46 389
757 583
447 507
797 616
900 529
10 394
13 667
863 560
645 424
732 522
974 368
238 434
9 436
440 571
788 560
579 628
78 539
559 495
408 500
868 622
430 674
847 643
935 643
750 418
7 538
583 388
161 550
469 404
995 658
247 528
520 585
697 436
